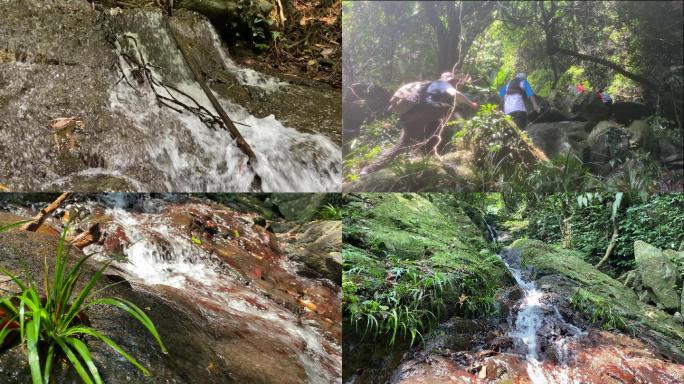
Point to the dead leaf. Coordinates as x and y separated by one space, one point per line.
308 304
311 62
327 52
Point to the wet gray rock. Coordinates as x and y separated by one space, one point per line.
607 142
58 59
557 138
299 207
317 245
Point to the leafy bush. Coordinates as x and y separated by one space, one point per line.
53 327
330 212
655 219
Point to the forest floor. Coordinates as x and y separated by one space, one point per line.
308 44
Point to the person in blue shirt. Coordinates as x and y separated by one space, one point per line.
513 96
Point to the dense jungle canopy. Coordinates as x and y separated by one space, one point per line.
631 51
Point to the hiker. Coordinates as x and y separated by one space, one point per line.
421 106
580 88
513 97
605 98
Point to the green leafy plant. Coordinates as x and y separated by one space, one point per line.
54 326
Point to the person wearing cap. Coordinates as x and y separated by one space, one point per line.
513 95
420 107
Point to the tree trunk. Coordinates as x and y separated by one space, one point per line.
609 250
639 79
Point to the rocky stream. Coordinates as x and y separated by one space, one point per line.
237 296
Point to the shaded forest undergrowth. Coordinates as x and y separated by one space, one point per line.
419 274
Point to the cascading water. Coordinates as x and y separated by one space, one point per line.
167 147
159 254
532 317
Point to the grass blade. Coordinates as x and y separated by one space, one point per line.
91 332
134 311
74 361
85 356
33 358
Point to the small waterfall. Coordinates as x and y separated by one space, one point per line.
158 253
533 315
179 151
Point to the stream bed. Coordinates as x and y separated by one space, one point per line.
246 310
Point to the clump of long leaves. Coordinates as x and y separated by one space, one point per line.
51 327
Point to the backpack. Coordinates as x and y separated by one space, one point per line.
408 96
515 86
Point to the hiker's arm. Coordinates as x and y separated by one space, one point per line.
533 99
461 98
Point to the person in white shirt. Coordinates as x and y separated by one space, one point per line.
513 95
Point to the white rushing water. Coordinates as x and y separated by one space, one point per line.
190 156
532 315
161 254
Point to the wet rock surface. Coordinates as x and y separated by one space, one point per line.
234 305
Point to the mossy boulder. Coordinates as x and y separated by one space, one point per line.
299 207
658 274
412 227
651 324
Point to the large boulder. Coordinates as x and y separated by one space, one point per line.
641 136
608 142
625 112
558 137
670 152
658 274
317 245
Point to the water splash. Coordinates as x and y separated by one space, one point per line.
191 156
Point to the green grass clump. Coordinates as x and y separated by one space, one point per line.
330 212
53 327
598 310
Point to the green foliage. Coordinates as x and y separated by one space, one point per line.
53 327
406 266
412 295
331 212
583 222
598 310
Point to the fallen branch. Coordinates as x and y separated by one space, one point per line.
84 239
38 220
239 140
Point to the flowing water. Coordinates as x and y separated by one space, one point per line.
287 160
532 324
159 254
131 142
